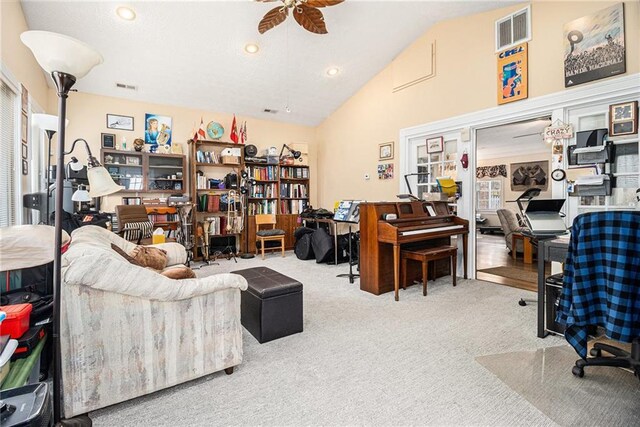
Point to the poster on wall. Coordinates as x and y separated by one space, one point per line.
512 74
529 175
594 46
157 131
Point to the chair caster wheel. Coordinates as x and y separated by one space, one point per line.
522 302
577 371
595 352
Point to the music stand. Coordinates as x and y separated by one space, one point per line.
349 213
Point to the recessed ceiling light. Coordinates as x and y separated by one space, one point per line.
333 71
251 48
126 13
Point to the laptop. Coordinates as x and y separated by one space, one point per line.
543 216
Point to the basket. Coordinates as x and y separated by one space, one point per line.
230 160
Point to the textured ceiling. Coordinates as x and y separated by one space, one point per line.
191 53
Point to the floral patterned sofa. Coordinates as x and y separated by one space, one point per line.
127 331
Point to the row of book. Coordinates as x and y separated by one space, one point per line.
293 206
299 173
207 157
158 218
293 190
263 173
263 190
262 207
204 182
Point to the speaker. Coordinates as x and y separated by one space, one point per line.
250 150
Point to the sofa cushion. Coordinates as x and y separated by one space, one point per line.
132 230
147 256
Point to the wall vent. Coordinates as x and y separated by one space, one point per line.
270 110
124 86
513 29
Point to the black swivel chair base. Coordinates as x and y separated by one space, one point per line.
621 358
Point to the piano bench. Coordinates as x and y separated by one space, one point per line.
425 256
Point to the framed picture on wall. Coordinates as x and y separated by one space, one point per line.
530 175
115 121
623 118
386 151
108 140
435 145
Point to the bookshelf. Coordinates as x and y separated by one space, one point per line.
212 210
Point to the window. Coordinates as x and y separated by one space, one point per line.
513 29
437 165
489 195
8 144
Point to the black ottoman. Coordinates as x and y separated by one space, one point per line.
272 305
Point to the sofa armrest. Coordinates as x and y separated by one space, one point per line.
176 253
112 275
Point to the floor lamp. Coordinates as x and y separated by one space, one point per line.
65 59
49 124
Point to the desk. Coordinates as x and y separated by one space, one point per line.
548 250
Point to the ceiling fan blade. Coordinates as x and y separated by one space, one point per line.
322 3
274 17
527 134
310 19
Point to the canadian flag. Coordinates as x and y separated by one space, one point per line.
200 133
234 131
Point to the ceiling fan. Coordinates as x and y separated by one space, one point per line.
305 13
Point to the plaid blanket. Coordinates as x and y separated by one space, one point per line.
602 278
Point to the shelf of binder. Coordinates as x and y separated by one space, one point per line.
599 154
594 185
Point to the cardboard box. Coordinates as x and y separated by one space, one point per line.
230 160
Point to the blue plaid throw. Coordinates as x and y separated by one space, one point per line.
602 278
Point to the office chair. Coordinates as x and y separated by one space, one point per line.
600 288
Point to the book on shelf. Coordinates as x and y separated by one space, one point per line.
263 191
293 206
296 173
262 207
289 190
263 173
208 157
218 225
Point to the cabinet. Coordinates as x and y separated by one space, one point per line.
140 172
218 215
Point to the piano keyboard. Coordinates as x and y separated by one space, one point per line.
430 230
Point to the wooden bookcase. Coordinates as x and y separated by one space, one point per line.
203 170
140 172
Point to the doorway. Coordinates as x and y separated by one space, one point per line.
510 159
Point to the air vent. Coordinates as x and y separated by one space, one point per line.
124 86
513 29
269 110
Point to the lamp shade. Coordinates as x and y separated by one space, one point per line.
101 183
81 195
57 52
47 121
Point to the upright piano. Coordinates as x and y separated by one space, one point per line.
386 227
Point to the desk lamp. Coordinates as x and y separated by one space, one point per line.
65 59
295 153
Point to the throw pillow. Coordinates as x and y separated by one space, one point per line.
179 272
117 249
134 230
150 257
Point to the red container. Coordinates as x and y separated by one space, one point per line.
17 320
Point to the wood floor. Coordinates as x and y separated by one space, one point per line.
492 251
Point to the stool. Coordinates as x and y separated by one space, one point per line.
425 255
271 307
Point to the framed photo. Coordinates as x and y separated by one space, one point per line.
594 46
529 175
115 121
512 74
25 167
435 145
132 160
25 151
386 151
108 140
157 130
24 98
385 171
24 132
623 118
177 186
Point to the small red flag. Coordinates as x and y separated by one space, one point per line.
202 134
234 130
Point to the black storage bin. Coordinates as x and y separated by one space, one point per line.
32 403
553 289
271 307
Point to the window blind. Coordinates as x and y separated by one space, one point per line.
8 144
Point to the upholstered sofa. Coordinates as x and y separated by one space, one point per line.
127 331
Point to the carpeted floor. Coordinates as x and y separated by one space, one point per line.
363 359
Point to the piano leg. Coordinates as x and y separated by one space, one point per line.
396 270
465 242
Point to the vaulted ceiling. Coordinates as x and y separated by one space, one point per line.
191 54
